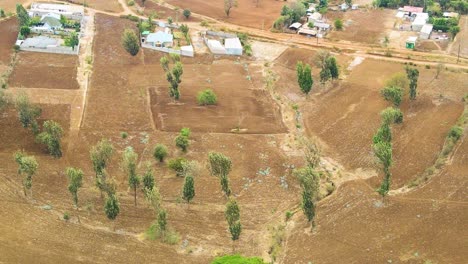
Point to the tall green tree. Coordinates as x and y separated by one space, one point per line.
308 206
72 40
100 155
332 65
23 16
112 207
148 179
75 182
188 191
129 164
27 166
232 214
220 166
304 77
130 42
187 13
162 221
27 113
174 75
413 75
51 137
309 180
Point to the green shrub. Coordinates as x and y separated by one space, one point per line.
339 24
204 23
123 135
237 259
185 131
207 97
289 214
160 152
131 3
177 165
455 133
66 216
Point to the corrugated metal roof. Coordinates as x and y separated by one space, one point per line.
160 37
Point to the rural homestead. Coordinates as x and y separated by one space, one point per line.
234 131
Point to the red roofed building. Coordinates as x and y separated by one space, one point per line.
413 9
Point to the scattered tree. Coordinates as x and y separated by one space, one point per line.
112 207
393 94
173 75
2 13
75 178
27 166
398 80
100 155
51 137
129 164
160 152
207 97
148 178
311 153
72 40
309 180
413 75
130 42
308 206
27 113
232 215
220 166
188 191
332 65
182 142
187 13
177 165
304 77
391 115
338 24
25 31
162 221
23 16
228 5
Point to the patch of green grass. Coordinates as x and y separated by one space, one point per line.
237 259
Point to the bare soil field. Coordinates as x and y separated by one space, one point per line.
162 12
241 104
355 108
112 6
9 33
10 6
358 26
246 14
356 225
15 137
44 70
461 40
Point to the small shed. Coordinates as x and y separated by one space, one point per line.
295 26
233 46
322 26
314 17
426 31
411 42
307 32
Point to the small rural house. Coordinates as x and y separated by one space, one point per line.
322 26
295 26
314 17
419 21
426 31
160 39
344 7
49 24
307 31
69 11
233 46
216 47
411 10
411 42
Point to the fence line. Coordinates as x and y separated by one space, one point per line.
169 50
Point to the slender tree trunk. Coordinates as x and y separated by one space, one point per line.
135 194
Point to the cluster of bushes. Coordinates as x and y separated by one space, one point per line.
207 97
244 39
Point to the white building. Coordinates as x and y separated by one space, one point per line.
215 46
233 46
419 21
69 11
160 39
426 31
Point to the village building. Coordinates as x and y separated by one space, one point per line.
160 39
75 12
411 42
295 26
233 46
419 21
314 17
426 31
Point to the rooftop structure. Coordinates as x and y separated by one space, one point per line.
69 11
413 9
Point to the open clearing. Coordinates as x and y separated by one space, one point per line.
44 70
9 33
246 14
358 28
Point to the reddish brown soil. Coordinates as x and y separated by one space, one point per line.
355 110
9 33
162 12
112 6
240 103
246 14
44 70
365 26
